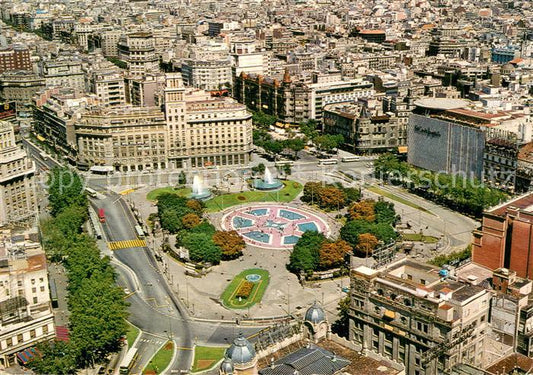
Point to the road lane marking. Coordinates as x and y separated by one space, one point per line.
184 348
126 244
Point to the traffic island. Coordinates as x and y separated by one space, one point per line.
246 289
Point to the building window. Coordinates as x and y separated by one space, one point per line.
19 338
32 333
9 342
45 329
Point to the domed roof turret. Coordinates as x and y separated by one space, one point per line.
315 314
241 351
226 367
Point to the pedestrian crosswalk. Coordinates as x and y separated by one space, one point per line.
117 245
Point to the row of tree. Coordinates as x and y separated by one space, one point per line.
184 217
264 140
314 252
98 310
369 223
455 191
329 197
323 142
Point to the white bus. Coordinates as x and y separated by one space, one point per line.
139 231
328 162
350 158
90 192
128 361
281 163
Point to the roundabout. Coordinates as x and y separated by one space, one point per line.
273 226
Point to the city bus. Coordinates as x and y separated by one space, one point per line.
350 158
140 231
281 163
90 192
129 360
328 162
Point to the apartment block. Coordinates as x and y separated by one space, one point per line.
20 87
127 138
26 313
16 57
419 315
18 201
64 73
109 87
203 130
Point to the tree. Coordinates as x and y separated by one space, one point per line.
352 229
341 325
295 145
57 357
363 210
333 254
182 178
65 188
328 142
384 232
259 168
202 248
352 194
366 245
230 242
309 129
196 206
287 169
305 254
273 147
170 220
331 198
310 192
385 212
190 221
263 120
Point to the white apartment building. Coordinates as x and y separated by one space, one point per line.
17 182
109 87
109 42
207 75
64 73
26 314
205 131
138 51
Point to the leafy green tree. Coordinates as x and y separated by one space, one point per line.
182 178
309 129
259 168
263 120
58 357
65 188
202 248
352 195
170 220
295 145
352 229
311 191
305 255
385 212
273 147
341 325
287 169
384 232
328 142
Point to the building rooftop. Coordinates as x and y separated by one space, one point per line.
440 103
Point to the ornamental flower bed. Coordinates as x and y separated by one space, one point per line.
244 289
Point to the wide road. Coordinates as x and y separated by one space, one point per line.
153 306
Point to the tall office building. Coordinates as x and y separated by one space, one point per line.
17 183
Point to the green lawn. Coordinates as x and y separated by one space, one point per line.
160 360
152 196
205 357
396 198
256 294
132 334
289 191
419 237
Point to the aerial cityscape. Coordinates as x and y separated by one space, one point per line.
284 187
